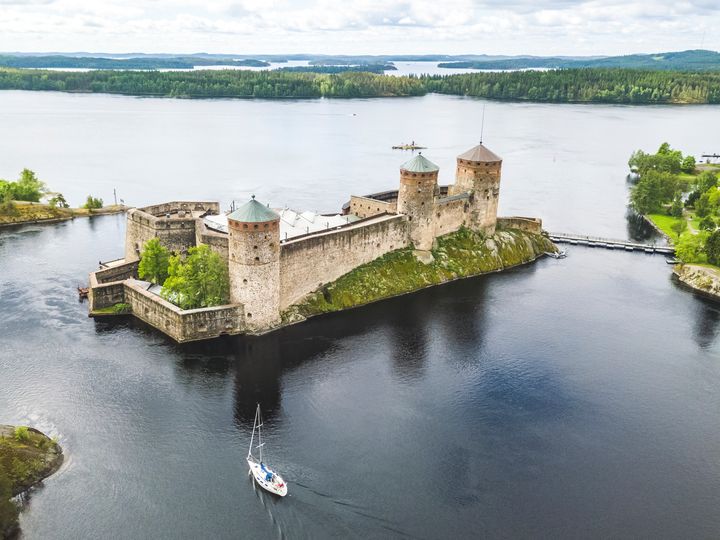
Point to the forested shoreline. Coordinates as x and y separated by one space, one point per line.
624 86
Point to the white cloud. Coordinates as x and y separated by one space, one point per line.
360 26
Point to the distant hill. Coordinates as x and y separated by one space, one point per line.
695 60
141 62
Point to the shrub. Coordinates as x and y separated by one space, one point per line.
121 308
92 203
8 509
7 206
22 434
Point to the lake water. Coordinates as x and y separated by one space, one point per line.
571 398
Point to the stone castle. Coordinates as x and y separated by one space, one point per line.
277 257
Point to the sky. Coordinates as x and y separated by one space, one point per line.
539 27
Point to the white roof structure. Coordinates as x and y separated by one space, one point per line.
292 223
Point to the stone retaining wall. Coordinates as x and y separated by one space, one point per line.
183 325
531 225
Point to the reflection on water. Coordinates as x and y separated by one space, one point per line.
640 230
707 323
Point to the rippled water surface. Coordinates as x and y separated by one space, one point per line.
571 398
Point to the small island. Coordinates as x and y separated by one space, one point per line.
196 273
27 457
28 200
681 199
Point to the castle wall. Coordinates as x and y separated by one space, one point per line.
531 225
183 325
172 222
176 234
106 295
365 207
451 213
218 242
173 207
309 262
117 273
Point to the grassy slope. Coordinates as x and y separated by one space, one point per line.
457 255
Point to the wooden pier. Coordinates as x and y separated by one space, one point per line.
609 243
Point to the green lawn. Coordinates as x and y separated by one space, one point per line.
665 223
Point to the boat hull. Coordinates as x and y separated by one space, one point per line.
277 486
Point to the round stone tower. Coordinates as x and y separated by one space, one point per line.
254 263
418 185
478 170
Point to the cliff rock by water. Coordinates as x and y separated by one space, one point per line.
27 456
458 255
703 279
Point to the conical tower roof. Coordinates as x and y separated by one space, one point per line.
254 212
480 154
419 164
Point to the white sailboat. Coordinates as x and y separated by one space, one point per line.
266 478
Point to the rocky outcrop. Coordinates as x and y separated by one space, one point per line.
455 256
27 457
703 279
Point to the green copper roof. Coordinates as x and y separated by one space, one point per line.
419 164
253 212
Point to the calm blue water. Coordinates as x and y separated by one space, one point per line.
571 398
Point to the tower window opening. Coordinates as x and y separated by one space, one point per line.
244 281
245 226
255 226
254 247
249 315
257 258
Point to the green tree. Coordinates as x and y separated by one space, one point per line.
199 280
690 247
652 190
688 165
705 181
28 187
708 224
676 210
702 205
679 227
712 248
58 200
154 262
92 203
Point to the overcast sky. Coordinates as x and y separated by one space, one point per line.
359 26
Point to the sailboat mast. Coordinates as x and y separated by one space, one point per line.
260 443
252 437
